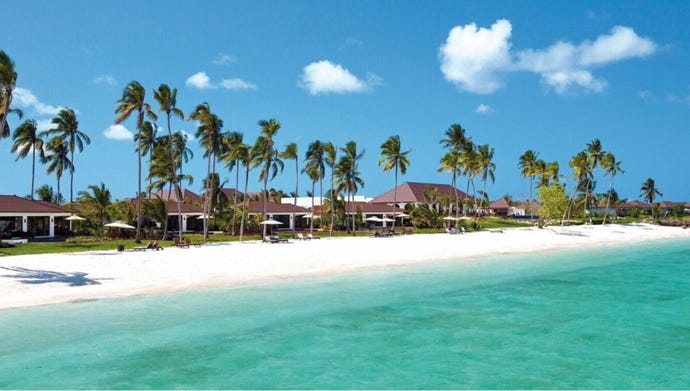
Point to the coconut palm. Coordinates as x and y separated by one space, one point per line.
582 172
67 127
145 142
58 159
132 100
291 152
8 81
246 155
528 168
27 139
611 167
392 157
312 172
455 141
98 200
267 158
649 191
181 151
315 157
233 162
330 156
208 133
595 153
47 194
167 101
348 175
485 156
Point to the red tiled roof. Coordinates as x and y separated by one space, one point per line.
367 208
274 208
500 203
14 204
411 192
187 195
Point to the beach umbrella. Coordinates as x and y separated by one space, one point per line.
387 220
465 218
201 217
451 218
119 224
270 222
374 218
308 216
75 218
402 215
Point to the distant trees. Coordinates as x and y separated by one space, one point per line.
98 200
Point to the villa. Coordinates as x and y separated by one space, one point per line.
40 219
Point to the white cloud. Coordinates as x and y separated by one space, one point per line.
484 109
474 58
27 100
471 57
237 84
104 79
564 65
200 80
224 59
324 77
118 132
44 124
621 44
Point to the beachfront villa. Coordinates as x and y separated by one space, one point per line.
416 193
40 219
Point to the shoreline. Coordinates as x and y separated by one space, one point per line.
33 280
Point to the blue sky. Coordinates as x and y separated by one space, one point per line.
547 76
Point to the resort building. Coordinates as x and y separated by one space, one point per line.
280 212
30 218
418 193
499 207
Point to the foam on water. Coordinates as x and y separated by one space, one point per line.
616 317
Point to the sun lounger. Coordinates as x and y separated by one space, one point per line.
300 236
274 239
310 236
496 231
149 246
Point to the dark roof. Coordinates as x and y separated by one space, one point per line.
367 208
411 192
633 204
14 204
187 196
275 208
500 203
230 193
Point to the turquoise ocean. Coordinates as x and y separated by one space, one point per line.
611 317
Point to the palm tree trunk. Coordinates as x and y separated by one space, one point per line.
234 198
294 201
33 172
57 199
138 235
570 204
265 200
531 186
455 190
311 221
608 201
395 196
330 233
244 202
320 202
71 178
207 198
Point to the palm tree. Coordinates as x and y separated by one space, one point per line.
58 160
312 172
132 100
528 168
393 158
233 162
8 81
315 157
98 200
348 175
485 156
455 141
581 165
145 142
267 158
595 153
67 127
167 101
291 152
27 139
246 155
181 151
611 167
46 193
208 133
648 192
330 155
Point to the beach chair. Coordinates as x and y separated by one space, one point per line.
142 248
310 236
300 236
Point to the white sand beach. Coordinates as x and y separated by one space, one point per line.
54 278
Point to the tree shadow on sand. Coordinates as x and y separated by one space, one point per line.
29 276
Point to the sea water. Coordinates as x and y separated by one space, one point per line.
614 317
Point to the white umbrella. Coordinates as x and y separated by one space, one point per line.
201 217
119 224
308 216
74 218
465 218
270 222
387 220
402 215
451 218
